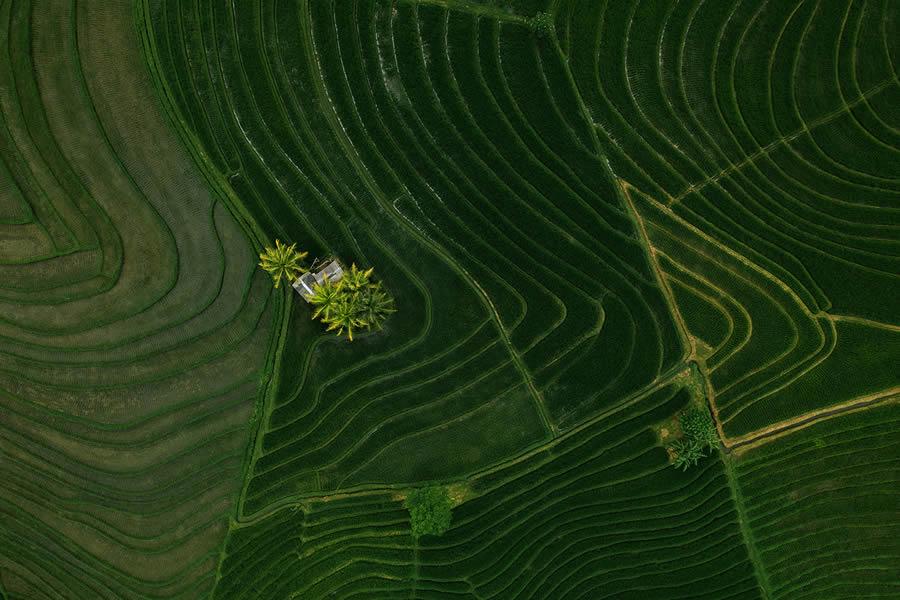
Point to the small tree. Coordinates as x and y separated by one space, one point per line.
697 424
687 453
429 511
282 261
325 298
373 305
355 280
343 317
542 25
354 302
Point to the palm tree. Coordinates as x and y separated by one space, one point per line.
343 316
356 280
373 306
687 453
326 297
282 261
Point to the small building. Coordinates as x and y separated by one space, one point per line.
305 285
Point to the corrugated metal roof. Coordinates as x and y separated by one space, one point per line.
304 285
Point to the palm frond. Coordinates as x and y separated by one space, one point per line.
282 261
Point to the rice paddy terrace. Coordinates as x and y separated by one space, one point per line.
656 205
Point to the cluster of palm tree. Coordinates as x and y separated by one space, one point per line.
352 303
700 435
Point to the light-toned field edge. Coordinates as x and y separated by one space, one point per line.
778 430
784 140
693 355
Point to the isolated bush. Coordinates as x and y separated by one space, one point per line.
542 24
429 511
697 424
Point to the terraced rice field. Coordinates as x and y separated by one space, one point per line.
134 328
660 204
599 513
499 333
822 505
749 121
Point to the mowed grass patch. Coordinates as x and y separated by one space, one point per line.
599 513
821 506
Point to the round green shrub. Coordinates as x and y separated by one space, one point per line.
542 25
697 424
429 511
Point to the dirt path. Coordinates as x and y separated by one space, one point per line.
785 427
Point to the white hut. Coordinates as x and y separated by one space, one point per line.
306 283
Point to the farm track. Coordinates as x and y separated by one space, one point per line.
130 340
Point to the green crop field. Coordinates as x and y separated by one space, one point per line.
822 505
597 220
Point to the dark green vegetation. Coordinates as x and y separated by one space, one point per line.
764 351
597 513
586 223
697 424
429 511
822 505
699 435
542 24
134 323
688 452
771 129
500 334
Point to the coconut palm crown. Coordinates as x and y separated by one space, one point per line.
356 280
282 261
326 297
352 303
373 305
343 316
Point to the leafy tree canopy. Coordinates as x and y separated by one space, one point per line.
542 25
697 424
325 298
429 511
700 435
